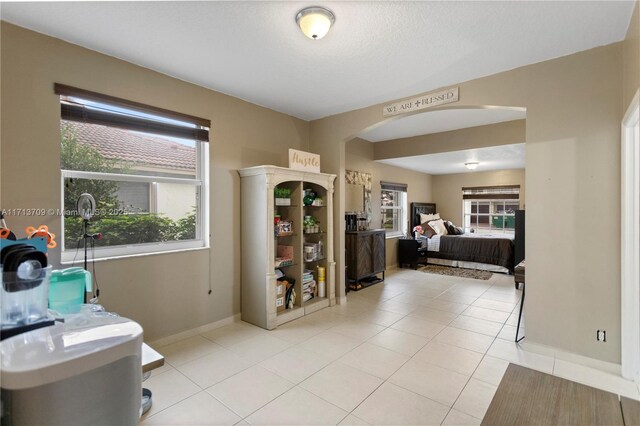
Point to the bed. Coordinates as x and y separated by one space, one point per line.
489 252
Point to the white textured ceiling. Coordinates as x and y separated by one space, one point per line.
491 158
376 51
441 121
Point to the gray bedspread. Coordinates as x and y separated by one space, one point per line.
476 248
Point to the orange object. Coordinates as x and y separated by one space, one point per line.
42 231
4 233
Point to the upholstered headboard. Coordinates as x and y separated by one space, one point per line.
424 208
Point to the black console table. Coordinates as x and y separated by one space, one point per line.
411 253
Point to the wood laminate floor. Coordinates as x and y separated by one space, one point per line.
630 411
529 397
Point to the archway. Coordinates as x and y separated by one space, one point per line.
496 115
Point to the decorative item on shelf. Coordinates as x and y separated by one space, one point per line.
318 202
282 262
311 225
309 253
309 196
284 228
282 196
284 256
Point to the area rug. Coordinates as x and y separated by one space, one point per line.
456 272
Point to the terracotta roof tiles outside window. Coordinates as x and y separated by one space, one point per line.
139 149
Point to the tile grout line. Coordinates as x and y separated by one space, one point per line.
384 327
474 371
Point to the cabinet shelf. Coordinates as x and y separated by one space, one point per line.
257 198
289 315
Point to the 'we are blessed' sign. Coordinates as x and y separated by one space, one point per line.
421 102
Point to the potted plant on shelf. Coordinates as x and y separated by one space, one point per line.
282 196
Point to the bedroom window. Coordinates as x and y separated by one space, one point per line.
146 168
490 209
393 208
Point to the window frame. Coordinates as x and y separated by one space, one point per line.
200 182
402 217
490 215
86 106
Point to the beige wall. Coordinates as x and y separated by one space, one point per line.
359 157
447 189
631 58
165 293
573 167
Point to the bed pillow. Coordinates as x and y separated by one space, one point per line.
438 226
452 229
428 231
429 217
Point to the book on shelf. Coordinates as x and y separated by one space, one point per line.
283 261
307 276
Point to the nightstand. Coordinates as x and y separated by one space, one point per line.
411 253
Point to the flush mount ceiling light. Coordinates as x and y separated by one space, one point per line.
472 165
315 21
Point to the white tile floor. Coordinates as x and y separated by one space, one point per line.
417 349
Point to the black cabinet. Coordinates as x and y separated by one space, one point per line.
411 253
518 253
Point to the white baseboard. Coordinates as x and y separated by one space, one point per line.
561 354
194 331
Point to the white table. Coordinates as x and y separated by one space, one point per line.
150 358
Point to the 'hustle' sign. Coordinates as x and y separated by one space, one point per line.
305 161
421 102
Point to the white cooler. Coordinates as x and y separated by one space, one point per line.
87 373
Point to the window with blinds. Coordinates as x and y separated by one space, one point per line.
490 209
146 167
393 208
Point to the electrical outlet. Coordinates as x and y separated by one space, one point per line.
601 336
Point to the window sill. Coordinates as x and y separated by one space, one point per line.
129 256
394 235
